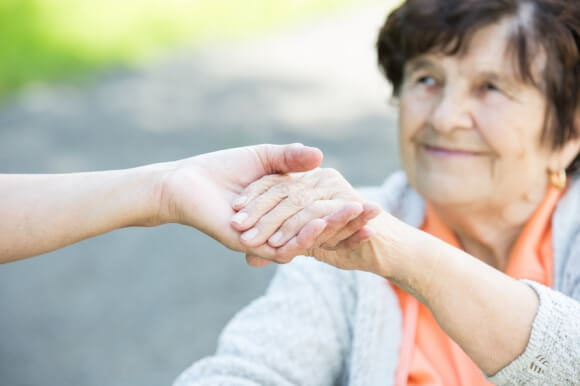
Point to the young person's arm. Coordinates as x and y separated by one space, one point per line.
41 213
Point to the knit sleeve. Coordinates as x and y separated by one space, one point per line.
296 334
552 356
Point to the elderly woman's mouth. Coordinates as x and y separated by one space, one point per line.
451 152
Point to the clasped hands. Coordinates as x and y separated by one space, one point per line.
315 213
270 202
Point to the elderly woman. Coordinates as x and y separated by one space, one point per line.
472 275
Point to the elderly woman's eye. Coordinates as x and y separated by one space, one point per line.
490 87
427 80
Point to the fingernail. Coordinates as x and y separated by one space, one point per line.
275 239
249 235
240 201
240 217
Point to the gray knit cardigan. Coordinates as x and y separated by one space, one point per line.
318 325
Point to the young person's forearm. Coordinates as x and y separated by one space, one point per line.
487 313
41 213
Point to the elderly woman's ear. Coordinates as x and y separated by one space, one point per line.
562 158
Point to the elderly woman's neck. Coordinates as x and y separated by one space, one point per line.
489 233
489 245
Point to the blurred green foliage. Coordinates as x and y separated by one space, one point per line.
58 39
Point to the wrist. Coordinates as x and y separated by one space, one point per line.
150 194
160 179
173 199
390 249
403 254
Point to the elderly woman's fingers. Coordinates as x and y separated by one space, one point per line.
341 224
287 219
302 242
287 197
265 254
257 188
330 239
275 197
336 221
354 241
293 182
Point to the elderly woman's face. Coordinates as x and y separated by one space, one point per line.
470 131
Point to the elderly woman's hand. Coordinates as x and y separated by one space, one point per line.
317 212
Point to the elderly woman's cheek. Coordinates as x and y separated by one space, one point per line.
513 140
413 119
413 114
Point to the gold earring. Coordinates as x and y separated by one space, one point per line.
558 179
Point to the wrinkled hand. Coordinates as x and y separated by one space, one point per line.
199 191
316 212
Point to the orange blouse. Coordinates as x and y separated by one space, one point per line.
428 356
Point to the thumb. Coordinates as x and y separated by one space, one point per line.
289 158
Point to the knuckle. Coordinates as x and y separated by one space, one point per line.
267 203
299 199
289 225
265 184
332 228
266 224
283 189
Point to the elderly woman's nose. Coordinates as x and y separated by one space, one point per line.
451 112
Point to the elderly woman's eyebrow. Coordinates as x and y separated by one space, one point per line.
418 65
505 80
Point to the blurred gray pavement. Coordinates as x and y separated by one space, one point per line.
137 306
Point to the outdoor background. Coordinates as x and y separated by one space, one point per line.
102 84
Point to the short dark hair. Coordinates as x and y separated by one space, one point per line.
421 26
